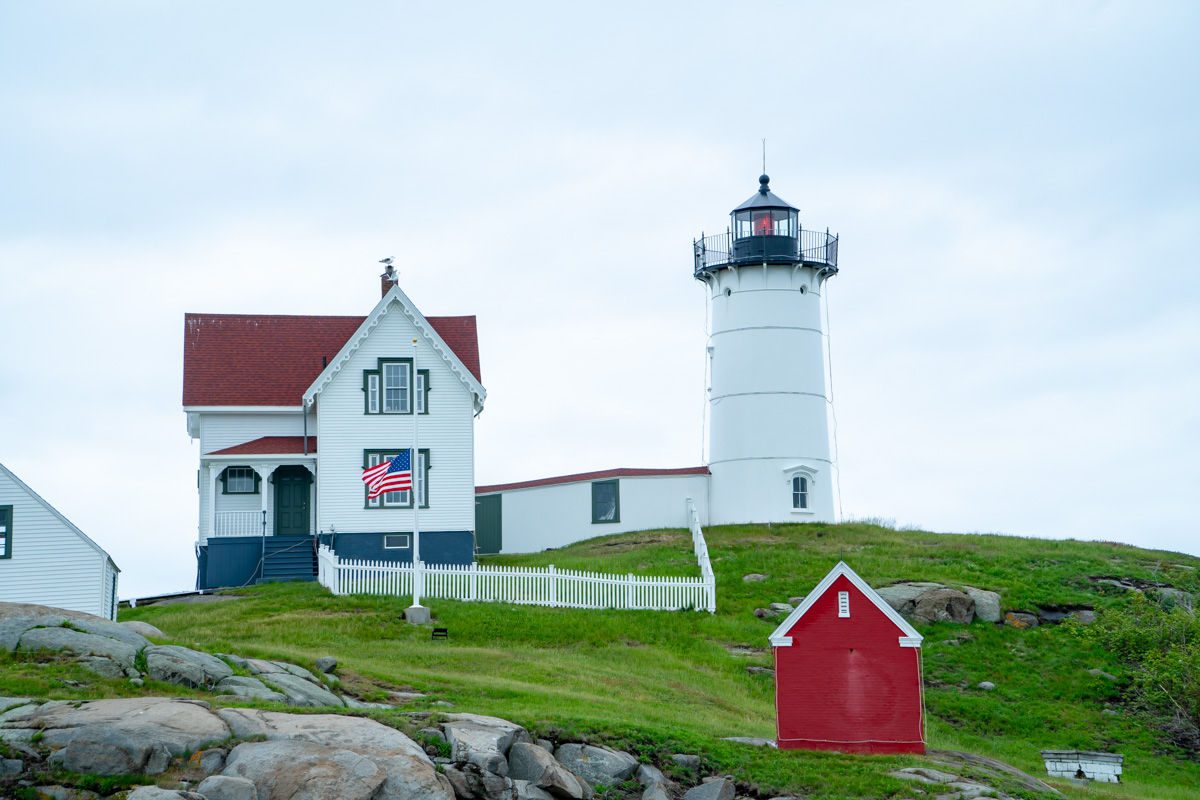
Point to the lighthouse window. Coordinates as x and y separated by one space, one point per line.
799 492
606 501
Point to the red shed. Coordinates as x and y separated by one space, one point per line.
848 672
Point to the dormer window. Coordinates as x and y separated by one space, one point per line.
388 389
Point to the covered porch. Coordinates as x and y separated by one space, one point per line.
265 487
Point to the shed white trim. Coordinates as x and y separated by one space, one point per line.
910 636
396 295
70 525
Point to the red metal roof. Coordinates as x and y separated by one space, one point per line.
273 445
620 472
270 360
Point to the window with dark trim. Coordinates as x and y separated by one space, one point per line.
388 389
395 541
6 531
239 480
606 501
372 458
799 492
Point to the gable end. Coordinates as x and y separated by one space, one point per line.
908 634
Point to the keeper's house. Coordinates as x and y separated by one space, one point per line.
290 409
44 559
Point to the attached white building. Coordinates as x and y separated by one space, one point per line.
769 449
289 410
45 559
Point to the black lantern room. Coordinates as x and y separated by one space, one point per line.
764 227
765 230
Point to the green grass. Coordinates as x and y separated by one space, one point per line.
658 683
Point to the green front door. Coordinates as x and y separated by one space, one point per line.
487 523
291 501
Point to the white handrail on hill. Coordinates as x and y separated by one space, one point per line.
549 586
701 549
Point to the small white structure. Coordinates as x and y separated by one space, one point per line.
1083 765
44 559
529 516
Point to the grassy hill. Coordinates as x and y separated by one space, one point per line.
659 683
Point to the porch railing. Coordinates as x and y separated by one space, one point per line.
238 523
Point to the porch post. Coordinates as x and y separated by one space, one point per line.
213 472
264 472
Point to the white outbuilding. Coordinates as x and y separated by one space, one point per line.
45 559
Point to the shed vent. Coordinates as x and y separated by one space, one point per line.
843 604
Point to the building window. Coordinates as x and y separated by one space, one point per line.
401 499
844 604
395 541
239 480
6 531
388 389
799 492
396 394
606 501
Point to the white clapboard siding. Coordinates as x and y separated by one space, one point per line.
221 430
53 563
548 586
447 431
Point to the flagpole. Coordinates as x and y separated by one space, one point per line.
416 613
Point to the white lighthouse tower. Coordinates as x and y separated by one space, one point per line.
768 403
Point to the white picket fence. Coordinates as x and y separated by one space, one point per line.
548 586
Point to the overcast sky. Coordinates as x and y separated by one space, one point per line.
1015 328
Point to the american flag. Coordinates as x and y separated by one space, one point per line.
391 475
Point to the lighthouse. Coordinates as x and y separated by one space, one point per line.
768 442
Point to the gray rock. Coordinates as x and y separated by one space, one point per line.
923 775
155 793
117 737
903 596
253 688
432 733
720 789
1170 596
754 577
208 762
327 664
14 622
782 608
104 667
987 686
297 670
260 667
1020 619
545 744
942 605
1099 673
1084 616
797 600
987 603
753 741
359 734
469 782
227 787
57 792
486 747
65 640
596 765
138 682
354 702
175 664
302 692
144 629
647 774
687 761
110 630
12 702
304 770
11 766
767 613
527 791
656 791
237 661
532 763
754 670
